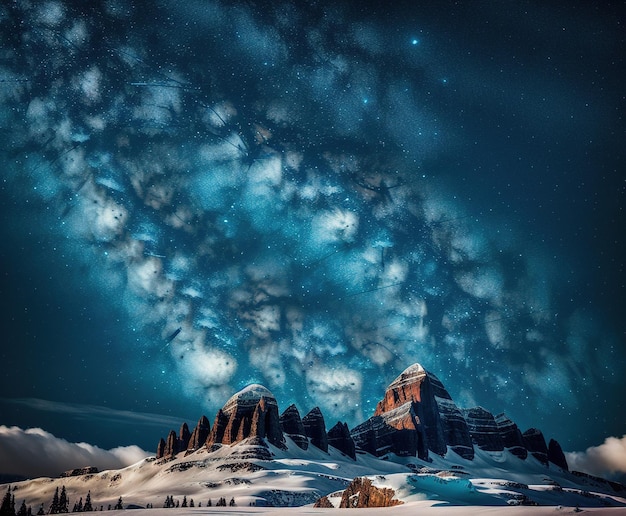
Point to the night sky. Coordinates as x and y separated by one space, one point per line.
317 197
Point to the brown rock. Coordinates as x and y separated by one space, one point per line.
323 503
160 448
252 412
199 435
362 494
406 387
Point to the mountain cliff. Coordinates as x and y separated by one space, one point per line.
416 417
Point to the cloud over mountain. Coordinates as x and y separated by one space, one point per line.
35 452
608 459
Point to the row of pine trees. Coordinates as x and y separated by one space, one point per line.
169 502
59 505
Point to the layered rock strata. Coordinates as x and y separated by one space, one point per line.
315 429
511 436
252 412
339 437
291 425
483 429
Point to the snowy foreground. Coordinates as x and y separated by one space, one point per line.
293 480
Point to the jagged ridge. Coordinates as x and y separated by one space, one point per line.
416 417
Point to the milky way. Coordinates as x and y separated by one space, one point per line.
271 196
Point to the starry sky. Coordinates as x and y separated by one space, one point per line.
312 197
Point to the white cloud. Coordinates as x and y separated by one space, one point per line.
34 452
606 460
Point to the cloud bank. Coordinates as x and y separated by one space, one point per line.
606 460
34 453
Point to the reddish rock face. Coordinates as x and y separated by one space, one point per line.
418 407
199 434
407 387
362 494
252 412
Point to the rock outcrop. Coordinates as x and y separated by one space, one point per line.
160 448
556 455
455 430
339 437
511 436
362 494
416 417
437 420
291 425
483 429
535 443
252 412
183 438
199 435
315 429
396 431
170 445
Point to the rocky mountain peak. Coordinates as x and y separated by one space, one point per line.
251 412
248 397
406 387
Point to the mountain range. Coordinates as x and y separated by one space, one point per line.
418 445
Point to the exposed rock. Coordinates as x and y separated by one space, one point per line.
323 503
88 470
339 437
315 429
160 448
170 445
511 436
483 429
406 387
442 423
216 434
602 482
556 455
252 412
199 435
291 424
183 438
455 430
396 431
362 494
536 445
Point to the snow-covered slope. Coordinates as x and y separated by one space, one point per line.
296 477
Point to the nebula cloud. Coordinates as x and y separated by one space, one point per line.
272 199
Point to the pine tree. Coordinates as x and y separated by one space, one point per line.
40 511
191 503
5 507
88 507
209 504
54 506
232 502
118 505
63 501
184 501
